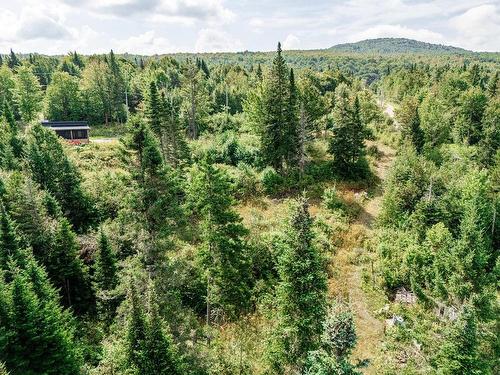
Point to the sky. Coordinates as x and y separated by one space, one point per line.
164 26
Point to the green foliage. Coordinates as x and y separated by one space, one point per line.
459 353
54 171
27 94
62 99
224 253
347 141
300 295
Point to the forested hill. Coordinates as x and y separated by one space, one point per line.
396 45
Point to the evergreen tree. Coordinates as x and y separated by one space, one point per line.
291 133
224 253
347 142
195 103
54 171
159 195
67 271
149 349
275 108
459 353
13 61
9 241
42 337
493 84
300 295
105 265
153 110
116 88
174 140
158 350
27 94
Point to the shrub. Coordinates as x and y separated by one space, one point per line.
271 181
331 200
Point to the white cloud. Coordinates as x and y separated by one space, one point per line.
147 43
178 11
291 42
213 40
397 31
479 27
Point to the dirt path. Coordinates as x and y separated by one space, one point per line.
348 282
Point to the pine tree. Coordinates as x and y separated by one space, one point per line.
274 122
67 271
493 85
105 265
13 61
42 340
9 240
409 119
291 134
149 350
300 295
224 254
136 333
347 142
54 171
174 140
459 353
27 94
158 350
116 87
153 110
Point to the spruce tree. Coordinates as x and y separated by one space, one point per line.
300 295
174 140
54 171
153 110
291 134
67 271
27 94
348 133
105 265
9 241
43 337
459 352
224 252
275 108
136 333
13 60
159 351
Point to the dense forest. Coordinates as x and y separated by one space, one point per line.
302 212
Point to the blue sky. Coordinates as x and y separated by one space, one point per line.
162 26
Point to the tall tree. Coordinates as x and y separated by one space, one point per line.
41 339
224 252
409 119
27 94
13 61
54 171
62 99
347 142
300 295
275 102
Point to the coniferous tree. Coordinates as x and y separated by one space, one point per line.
9 240
41 339
275 107
13 60
54 171
27 94
149 349
174 140
105 264
67 271
459 353
300 295
116 88
153 110
291 134
224 253
347 142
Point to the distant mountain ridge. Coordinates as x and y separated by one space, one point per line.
396 45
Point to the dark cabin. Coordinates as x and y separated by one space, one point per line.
73 131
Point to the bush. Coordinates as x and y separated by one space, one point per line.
331 200
271 181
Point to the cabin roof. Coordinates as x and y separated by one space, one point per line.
66 125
